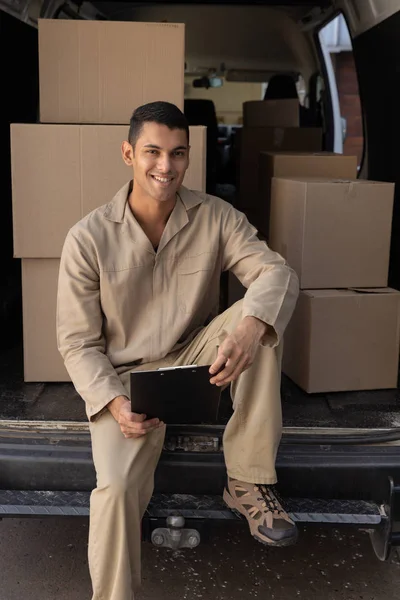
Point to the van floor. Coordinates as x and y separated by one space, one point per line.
59 401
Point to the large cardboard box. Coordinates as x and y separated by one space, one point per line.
342 340
62 172
297 164
334 233
42 361
254 140
271 113
101 71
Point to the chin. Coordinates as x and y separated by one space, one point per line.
165 195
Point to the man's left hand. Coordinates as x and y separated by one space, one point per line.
237 352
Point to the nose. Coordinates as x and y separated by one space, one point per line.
164 163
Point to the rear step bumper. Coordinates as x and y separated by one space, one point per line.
196 511
21 503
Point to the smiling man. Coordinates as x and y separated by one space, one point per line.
138 286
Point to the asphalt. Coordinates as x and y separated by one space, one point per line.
46 560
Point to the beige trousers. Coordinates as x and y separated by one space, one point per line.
125 467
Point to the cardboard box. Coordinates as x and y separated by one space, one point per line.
333 233
62 172
297 164
343 340
42 360
254 140
271 113
101 71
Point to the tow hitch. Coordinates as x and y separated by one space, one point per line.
174 535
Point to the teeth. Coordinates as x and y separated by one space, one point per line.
162 179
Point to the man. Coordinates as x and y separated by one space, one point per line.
138 280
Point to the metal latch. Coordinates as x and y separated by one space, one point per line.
175 535
192 443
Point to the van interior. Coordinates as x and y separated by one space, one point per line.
235 52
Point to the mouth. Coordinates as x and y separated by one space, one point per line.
163 181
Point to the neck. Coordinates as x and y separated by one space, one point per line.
147 210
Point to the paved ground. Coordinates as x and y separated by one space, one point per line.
46 560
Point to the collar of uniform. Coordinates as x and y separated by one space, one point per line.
115 210
189 198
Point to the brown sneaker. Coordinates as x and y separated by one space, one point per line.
269 522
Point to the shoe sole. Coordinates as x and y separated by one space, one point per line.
229 501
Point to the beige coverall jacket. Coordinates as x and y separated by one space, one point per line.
121 304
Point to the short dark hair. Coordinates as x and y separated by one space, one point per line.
163 113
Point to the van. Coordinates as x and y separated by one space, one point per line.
339 460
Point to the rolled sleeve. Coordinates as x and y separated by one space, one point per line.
80 325
272 286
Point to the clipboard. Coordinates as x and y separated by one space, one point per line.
176 395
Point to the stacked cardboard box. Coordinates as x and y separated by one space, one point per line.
62 172
100 71
269 125
344 340
281 164
344 334
296 164
92 76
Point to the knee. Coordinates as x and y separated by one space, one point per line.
232 316
237 307
117 485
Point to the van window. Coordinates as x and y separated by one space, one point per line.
337 50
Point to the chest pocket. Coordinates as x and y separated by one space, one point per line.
196 275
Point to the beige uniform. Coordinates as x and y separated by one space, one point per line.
124 306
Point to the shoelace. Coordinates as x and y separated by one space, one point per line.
270 498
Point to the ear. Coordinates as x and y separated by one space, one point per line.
127 153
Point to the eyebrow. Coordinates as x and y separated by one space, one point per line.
158 147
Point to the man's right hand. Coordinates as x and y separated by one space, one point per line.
132 424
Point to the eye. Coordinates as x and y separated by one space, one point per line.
179 153
151 151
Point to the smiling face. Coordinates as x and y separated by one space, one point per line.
159 159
